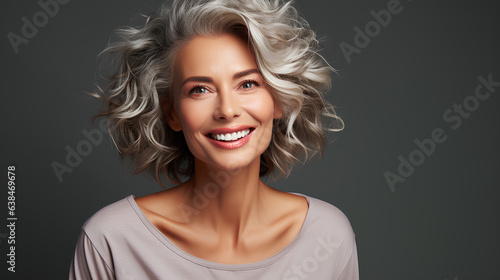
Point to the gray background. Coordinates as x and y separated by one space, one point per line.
442 222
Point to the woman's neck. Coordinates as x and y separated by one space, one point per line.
228 201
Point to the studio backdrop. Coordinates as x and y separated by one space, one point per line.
416 169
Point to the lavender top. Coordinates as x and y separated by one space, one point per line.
119 242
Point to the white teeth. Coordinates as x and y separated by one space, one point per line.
230 136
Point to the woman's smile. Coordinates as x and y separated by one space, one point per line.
229 133
230 138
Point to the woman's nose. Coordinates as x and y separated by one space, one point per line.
228 106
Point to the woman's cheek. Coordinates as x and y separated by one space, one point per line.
193 113
261 106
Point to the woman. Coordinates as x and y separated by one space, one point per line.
222 93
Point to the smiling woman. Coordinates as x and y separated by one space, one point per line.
220 92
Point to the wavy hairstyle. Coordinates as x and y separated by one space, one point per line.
286 51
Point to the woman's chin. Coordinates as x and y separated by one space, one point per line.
233 166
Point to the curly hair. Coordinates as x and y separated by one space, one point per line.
286 52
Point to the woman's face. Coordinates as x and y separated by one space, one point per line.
221 102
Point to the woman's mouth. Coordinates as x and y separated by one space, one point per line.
228 137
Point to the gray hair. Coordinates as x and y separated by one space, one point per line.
286 51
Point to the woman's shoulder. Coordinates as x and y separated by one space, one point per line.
111 218
326 217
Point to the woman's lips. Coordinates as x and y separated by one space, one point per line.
231 129
233 144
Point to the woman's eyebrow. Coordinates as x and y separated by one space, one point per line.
197 79
210 80
244 73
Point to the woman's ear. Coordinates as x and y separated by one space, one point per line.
171 116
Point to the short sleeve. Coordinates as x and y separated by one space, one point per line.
87 262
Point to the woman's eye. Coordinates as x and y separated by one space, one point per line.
199 90
249 85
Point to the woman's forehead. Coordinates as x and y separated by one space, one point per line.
214 55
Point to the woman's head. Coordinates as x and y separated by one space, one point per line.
140 96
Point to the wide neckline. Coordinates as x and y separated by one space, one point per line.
215 265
